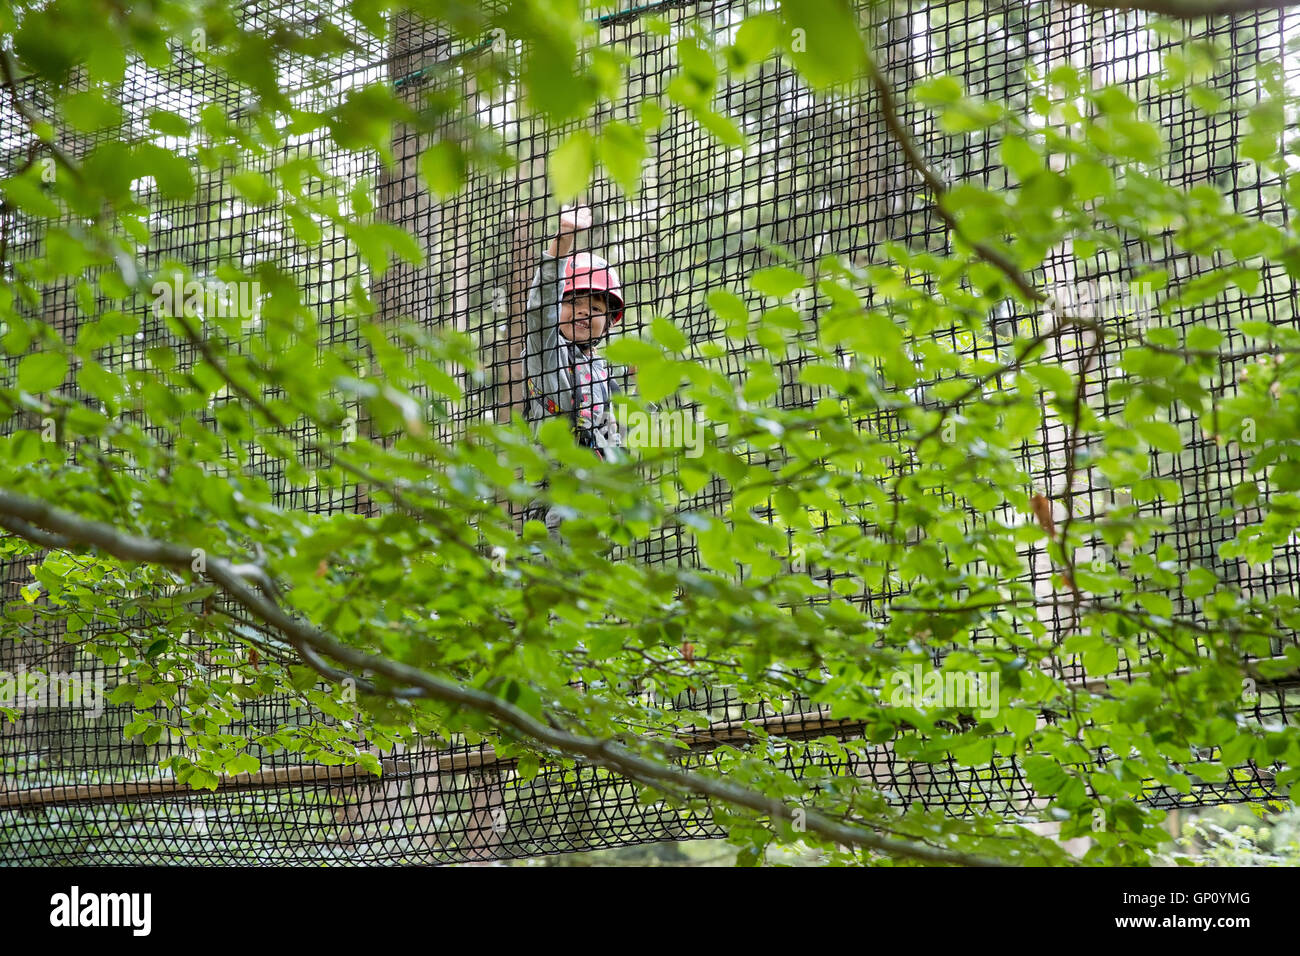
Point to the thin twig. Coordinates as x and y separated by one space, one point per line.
994 257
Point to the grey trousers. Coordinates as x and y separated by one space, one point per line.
551 517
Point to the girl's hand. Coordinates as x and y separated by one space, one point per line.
574 219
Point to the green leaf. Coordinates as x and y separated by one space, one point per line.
1020 157
693 86
572 164
1245 494
1019 720
1161 436
1203 338
1044 775
254 187
777 281
379 242
527 767
825 40
755 41
628 351
106 58
622 150
444 167
1101 661
722 127
1200 582
25 193
556 86
668 335
168 123
104 385
42 372
110 167
657 379
88 111
170 171
1090 179
728 306
939 91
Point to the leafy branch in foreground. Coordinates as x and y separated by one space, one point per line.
54 528
887 523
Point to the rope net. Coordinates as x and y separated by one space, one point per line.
821 177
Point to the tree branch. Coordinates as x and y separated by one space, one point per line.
8 70
313 644
994 257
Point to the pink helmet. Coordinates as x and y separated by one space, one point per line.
585 271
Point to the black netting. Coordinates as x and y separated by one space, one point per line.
822 177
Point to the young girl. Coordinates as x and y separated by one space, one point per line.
573 302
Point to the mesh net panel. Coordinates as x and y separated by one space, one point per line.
821 177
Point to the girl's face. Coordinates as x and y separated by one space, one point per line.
583 316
